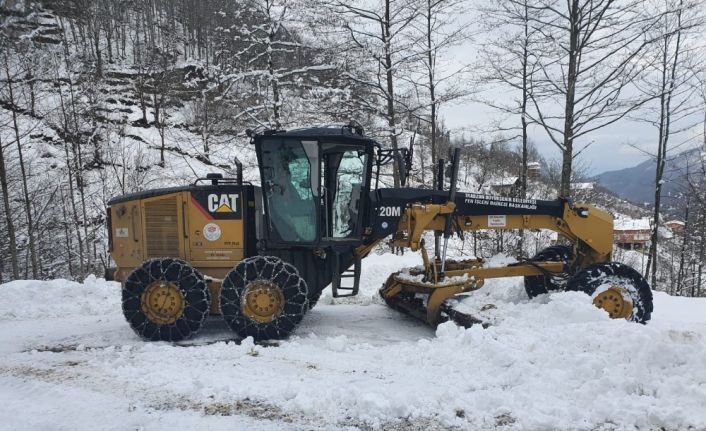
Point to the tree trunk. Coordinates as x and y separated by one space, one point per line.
701 255
391 120
432 91
68 136
204 128
666 90
523 118
99 55
271 70
160 126
29 78
78 175
682 249
661 153
23 172
8 215
67 235
568 144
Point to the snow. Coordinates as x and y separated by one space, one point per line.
582 186
68 359
505 181
631 224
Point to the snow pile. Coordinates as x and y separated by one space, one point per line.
553 362
416 275
32 299
374 271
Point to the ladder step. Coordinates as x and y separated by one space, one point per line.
342 291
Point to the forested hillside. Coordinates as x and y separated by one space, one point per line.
111 97
101 98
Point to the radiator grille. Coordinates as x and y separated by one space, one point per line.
162 232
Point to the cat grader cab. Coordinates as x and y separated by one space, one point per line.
260 256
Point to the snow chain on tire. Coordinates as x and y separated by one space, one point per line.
590 279
314 298
280 281
187 284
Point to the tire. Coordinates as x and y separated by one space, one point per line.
188 288
314 298
263 277
539 284
590 279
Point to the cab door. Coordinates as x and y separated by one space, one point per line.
345 185
290 187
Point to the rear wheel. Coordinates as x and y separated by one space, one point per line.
618 289
539 284
314 298
165 300
264 298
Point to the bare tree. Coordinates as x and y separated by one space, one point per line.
376 30
23 168
585 75
435 30
509 62
7 209
668 81
696 190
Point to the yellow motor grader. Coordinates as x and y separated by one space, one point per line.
260 256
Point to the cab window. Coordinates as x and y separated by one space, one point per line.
287 187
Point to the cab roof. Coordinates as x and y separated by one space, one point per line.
333 132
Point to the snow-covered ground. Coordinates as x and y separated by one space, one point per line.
69 361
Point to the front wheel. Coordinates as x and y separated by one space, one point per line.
616 288
539 284
264 298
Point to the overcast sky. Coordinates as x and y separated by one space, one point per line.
611 148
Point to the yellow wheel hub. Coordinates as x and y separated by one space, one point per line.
162 302
616 301
263 301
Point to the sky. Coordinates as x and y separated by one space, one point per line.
624 144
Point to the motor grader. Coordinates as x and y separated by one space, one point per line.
260 256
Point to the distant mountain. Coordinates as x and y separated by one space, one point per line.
636 184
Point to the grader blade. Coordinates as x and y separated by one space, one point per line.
461 319
415 305
412 292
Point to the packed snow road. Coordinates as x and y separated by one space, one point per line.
69 361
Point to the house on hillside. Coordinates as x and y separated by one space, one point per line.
631 233
676 226
533 170
507 186
583 186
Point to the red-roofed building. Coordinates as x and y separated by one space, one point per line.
632 233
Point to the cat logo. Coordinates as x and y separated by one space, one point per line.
223 203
